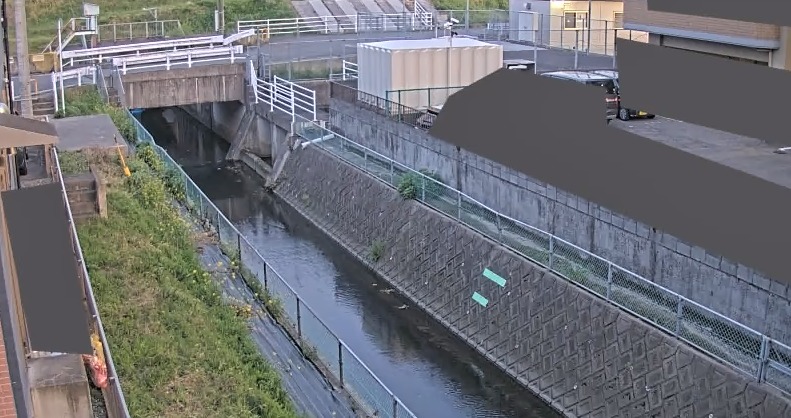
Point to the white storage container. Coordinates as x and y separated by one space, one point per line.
422 70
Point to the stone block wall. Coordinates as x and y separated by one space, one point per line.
731 289
583 356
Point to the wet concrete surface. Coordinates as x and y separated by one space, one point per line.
429 369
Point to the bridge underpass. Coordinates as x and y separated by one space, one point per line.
433 373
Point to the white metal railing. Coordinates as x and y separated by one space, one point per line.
178 58
90 56
373 22
116 407
349 70
67 31
61 80
283 95
422 15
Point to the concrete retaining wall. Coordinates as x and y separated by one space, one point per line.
585 357
177 87
729 288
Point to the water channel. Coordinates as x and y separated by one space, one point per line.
430 370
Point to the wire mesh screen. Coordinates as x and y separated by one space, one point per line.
321 339
362 383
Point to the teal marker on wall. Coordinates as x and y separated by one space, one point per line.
480 299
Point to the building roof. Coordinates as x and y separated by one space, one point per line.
17 131
433 43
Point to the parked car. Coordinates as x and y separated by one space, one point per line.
593 79
623 113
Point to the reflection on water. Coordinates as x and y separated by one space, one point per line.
434 374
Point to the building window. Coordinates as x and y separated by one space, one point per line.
575 20
618 20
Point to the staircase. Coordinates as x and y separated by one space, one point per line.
76 26
44 105
86 196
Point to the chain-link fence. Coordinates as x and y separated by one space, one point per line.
424 98
127 31
315 339
733 343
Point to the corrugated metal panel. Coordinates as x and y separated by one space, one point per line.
419 65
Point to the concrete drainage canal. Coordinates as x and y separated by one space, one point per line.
433 373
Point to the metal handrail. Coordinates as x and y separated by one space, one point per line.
112 374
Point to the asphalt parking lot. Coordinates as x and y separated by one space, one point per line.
742 153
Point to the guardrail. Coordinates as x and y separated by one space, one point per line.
310 332
357 23
90 56
765 359
283 95
187 58
115 403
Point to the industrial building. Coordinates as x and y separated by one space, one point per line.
758 43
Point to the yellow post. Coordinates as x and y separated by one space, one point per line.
121 156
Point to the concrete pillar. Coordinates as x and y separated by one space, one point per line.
781 58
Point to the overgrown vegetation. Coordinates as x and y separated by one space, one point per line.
458 6
179 348
196 16
86 100
377 250
412 185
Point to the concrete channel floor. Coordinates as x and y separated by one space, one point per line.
308 389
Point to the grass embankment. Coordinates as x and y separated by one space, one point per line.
196 16
180 350
477 5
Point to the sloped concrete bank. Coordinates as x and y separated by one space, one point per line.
583 356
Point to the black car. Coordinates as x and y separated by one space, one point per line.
608 84
624 113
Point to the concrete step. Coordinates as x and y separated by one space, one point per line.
321 10
84 209
341 17
303 9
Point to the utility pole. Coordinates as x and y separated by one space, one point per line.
22 59
221 15
4 78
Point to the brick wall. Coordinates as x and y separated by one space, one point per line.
7 405
585 357
636 11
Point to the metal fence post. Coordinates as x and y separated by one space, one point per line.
679 315
458 204
299 318
392 173
423 188
609 281
239 247
219 236
395 406
266 279
340 362
499 225
763 358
